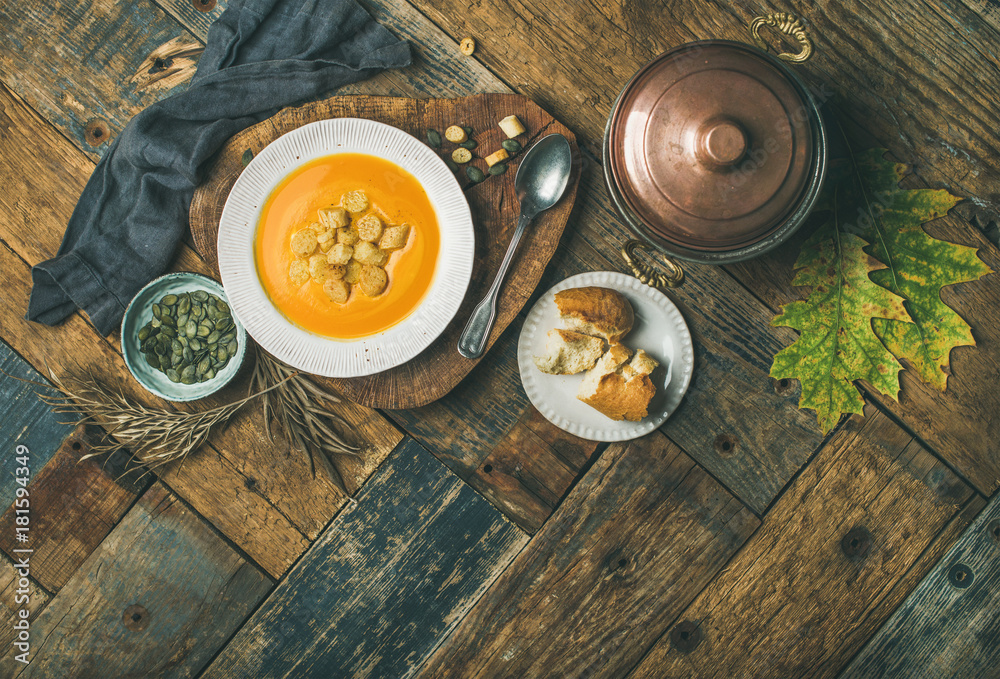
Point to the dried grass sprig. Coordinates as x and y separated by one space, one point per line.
310 428
155 436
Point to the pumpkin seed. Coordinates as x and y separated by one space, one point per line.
511 146
189 380
166 319
434 138
203 331
173 375
176 359
169 300
475 174
469 144
227 338
168 331
183 340
157 312
190 329
452 165
499 168
203 367
223 307
188 354
195 344
144 332
468 130
155 323
189 370
183 304
210 373
213 337
199 296
221 354
231 348
152 360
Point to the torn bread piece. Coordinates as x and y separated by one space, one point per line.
568 352
596 311
618 388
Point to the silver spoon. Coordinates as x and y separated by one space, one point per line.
540 182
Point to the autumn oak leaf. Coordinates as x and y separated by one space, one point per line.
837 343
917 265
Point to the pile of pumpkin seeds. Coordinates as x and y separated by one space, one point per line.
190 338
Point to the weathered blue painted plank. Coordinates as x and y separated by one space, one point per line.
74 62
950 625
157 599
25 420
386 581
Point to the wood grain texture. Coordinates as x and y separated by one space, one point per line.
74 505
642 532
70 62
890 67
25 420
12 601
268 489
817 579
947 627
379 588
494 207
193 590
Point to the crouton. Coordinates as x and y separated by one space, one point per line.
337 289
369 227
394 237
304 242
333 217
319 268
340 254
373 281
355 202
368 253
298 271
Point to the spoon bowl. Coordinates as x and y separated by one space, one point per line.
540 182
544 173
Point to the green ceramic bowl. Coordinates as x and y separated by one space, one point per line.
139 312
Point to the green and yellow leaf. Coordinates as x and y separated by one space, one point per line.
917 265
837 344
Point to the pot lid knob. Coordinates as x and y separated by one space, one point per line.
721 143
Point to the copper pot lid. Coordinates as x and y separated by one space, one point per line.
711 146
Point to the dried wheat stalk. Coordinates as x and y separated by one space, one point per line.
307 426
155 436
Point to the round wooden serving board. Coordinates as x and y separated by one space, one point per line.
439 368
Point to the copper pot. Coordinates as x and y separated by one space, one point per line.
715 152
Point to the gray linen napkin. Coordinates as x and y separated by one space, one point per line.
260 56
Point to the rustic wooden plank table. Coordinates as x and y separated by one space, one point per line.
736 541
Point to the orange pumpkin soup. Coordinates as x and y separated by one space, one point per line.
395 196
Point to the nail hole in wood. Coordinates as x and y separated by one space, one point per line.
488 468
76 445
160 64
685 636
622 563
993 530
135 618
96 132
725 445
783 387
857 543
960 576
204 5
250 483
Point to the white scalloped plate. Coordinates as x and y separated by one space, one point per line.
659 329
314 353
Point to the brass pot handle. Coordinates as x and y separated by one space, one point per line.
673 277
789 25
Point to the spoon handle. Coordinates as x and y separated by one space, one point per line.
472 343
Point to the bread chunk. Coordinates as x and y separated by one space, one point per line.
304 242
353 274
368 253
369 227
355 201
340 254
568 352
596 311
373 280
607 389
298 271
394 237
333 217
641 364
319 268
347 236
337 289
